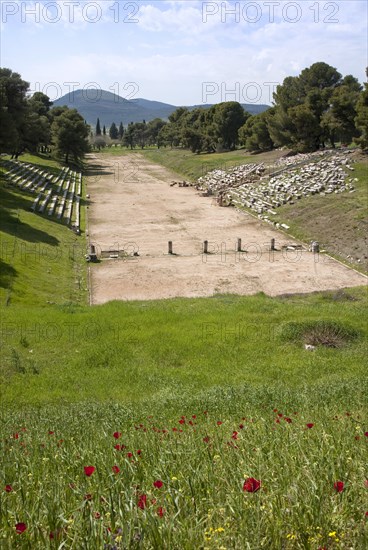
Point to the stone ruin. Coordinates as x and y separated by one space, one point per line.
289 180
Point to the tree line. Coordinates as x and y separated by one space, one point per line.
29 123
318 108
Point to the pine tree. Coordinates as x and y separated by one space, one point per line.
104 130
98 128
121 131
113 132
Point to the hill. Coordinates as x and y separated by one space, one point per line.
110 107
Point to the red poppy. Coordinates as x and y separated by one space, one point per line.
16 436
366 483
51 432
182 421
219 422
139 452
20 527
206 439
129 455
116 469
158 484
280 415
310 425
235 435
366 434
275 410
117 435
241 426
251 485
97 515
51 535
194 416
339 486
142 502
288 420
8 488
161 511
88 496
88 470
366 514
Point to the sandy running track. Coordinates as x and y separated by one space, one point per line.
133 207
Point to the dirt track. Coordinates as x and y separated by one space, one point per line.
134 208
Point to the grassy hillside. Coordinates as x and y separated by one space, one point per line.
192 166
339 222
134 351
41 259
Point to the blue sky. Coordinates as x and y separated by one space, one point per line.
180 52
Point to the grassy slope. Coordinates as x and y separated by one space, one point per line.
135 351
41 259
345 233
193 166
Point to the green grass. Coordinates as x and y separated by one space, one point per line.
41 259
197 386
202 449
191 166
130 351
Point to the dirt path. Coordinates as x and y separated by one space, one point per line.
133 208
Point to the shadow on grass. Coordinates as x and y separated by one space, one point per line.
7 273
10 223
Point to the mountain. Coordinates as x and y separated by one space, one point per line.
110 107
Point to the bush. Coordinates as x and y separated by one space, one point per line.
331 334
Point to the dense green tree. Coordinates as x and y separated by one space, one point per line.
339 120
300 103
121 131
13 111
140 134
228 117
40 103
98 128
69 133
254 134
154 128
361 119
129 136
104 130
113 132
168 136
